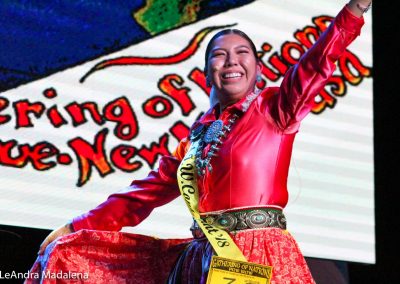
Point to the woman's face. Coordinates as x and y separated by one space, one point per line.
232 68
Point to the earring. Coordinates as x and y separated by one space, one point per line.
258 80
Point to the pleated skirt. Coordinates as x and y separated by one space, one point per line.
115 257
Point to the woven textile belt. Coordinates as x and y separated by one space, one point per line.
243 219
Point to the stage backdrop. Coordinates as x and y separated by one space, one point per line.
93 94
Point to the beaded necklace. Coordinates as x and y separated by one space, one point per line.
214 135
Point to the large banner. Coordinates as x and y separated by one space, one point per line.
92 95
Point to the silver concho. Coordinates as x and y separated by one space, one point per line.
226 221
258 219
213 131
241 221
281 221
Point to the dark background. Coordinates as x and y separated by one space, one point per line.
18 246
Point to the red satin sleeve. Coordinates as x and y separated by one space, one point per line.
132 205
304 80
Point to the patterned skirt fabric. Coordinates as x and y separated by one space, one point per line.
114 257
107 257
269 246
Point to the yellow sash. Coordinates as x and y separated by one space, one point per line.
219 239
230 264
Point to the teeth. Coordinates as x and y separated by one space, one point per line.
231 75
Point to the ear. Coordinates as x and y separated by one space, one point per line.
259 67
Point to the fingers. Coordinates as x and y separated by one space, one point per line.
62 231
43 246
51 237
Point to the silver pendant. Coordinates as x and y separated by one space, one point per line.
216 131
213 131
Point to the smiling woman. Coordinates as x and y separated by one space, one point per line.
232 66
231 170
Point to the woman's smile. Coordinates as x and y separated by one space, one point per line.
232 68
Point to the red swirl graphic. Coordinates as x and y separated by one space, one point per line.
183 55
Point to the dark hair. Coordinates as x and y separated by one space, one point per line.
228 32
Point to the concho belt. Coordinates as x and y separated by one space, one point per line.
244 219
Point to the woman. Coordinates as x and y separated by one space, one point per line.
242 158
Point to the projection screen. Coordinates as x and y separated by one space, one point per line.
72 137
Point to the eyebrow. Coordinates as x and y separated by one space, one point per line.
240 46
236 47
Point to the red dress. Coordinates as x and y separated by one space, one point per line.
250 171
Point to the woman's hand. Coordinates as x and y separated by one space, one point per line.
357 6
61 231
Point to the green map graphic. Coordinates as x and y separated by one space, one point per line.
161 15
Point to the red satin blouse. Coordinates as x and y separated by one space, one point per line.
251 167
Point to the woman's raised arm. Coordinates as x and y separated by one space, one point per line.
304 80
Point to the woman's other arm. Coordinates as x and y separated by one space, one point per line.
132 205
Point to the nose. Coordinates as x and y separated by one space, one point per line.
231 59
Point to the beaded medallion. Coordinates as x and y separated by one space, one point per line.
213 130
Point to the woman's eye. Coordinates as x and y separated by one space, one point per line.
217 54
243 51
